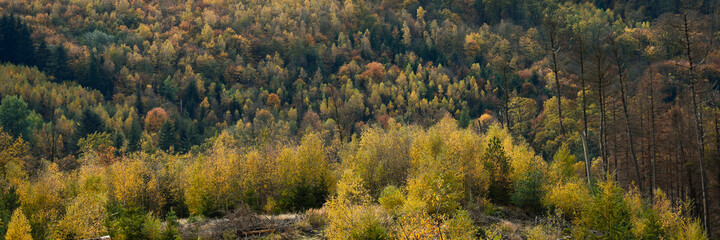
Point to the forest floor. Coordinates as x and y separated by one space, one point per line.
510 223
251 226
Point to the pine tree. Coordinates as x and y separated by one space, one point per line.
192 98
17 46
171 229
42 56
464 120
187 132
90 122
58 65
19 227
497 163
167 136
96 77
134 137
138 101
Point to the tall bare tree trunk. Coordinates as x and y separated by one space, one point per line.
717 139
553 31
584 109
615 147
631 142
699 133
652 137
602 139
506 101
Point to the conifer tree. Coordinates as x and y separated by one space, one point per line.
167 136
134 137
90 122
497 163
58 66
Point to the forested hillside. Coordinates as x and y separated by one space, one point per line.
370 119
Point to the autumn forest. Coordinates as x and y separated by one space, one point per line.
359 119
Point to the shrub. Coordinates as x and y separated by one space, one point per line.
213 182
350 214
132 223
671 221
313 219
391 198
460 226
606 216
568 198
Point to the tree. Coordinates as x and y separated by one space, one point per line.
687 30
497 163
273 100
19 227
464 119
155 119
139 106
620 65
43 56
90 122
15 116
134 137
15 39
171 229
96 77
552 25
58 65
581 19
167 136
188 135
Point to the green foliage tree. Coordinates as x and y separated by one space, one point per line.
131 223
17 46
497 164
171 228
90 122
528 192
15 117
58 65
133 143
167 136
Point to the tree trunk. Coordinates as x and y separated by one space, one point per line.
631 142
507 98
699 134
601 99
557 83
584 109
615 147
652 138
717 140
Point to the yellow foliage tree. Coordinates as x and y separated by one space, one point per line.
212 184
84 218
127 182
19 227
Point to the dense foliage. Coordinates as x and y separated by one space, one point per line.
401 119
